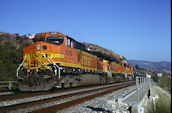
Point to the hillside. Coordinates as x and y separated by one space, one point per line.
153 66
104 53
11 52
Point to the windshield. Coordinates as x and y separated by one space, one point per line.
38 39
55 40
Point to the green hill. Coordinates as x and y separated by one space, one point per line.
11 50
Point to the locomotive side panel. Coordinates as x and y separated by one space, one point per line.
86 61
121 68
94 63
115 68
105 66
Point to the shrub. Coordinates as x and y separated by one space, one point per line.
161 106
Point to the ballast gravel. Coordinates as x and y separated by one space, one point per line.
105 104
29 109
6 93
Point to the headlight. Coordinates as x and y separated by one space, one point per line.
38 46
43 63
24 64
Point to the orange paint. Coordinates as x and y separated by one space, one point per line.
71 55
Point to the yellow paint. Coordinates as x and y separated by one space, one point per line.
85 53
40 57
105 61
57 55
67 64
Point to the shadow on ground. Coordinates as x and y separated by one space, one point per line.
99 109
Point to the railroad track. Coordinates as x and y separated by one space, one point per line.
18 94
5 92
58 101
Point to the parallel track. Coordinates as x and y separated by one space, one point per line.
81 96
18 95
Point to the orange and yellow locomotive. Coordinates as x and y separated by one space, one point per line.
57 60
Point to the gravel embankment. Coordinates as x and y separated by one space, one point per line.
29 109
105 104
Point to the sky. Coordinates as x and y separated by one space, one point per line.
135 29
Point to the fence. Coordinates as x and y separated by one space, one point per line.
8 84
143 84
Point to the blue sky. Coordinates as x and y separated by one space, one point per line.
135 29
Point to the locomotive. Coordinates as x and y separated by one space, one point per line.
57 60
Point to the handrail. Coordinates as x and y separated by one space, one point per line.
55 65
142 85
50 60
20 67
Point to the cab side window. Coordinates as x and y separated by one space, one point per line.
69 42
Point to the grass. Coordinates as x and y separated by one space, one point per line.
161 106
164 82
